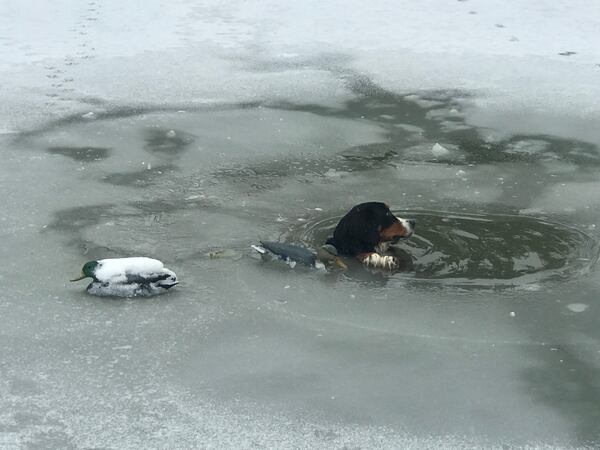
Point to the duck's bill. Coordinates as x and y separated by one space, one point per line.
338 262
81 277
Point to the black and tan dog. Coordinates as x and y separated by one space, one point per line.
367 231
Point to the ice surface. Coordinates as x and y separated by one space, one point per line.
173 131
435 45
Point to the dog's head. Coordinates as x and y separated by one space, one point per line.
368 225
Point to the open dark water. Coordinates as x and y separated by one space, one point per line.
487 338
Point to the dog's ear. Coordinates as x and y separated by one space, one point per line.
365 228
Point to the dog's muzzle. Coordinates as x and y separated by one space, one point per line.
409 226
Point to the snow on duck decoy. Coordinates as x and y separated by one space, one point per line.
127 277
295 254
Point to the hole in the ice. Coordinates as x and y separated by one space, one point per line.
487 250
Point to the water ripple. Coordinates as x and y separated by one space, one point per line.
480 250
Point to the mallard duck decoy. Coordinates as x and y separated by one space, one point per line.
127 277
295 254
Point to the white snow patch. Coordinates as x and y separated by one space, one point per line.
527 262
415 46
577 307
439 150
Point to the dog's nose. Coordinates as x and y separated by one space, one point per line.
412 223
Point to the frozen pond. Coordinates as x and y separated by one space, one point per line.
187 134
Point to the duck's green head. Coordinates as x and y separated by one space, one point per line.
88 270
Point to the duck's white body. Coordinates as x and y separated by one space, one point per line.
115 270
